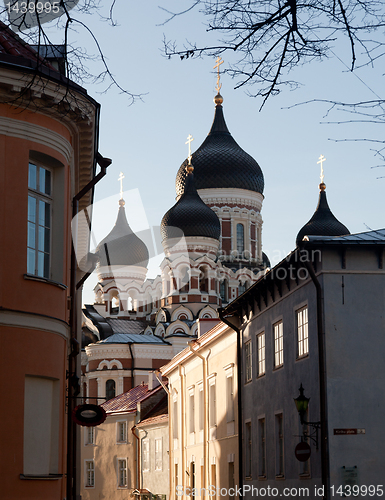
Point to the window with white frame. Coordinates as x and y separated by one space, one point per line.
278 344
262 447
261 354
302 332
248 361
146 454
90 435
230 398
212 404
121 431
89 474
39 220
279 453
240 239
122 473
158 454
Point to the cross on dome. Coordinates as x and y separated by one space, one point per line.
120 178
189 141
218 61
321 160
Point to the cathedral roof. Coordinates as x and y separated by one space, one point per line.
121 247
220 163
190 215
323 222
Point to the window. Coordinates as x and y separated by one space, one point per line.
203 279
146 454
302 332
279 468
122 473
201 409
240 239
223 290
185 285
175 420
110 389
121 432
262 447
248 361
39 221
248 450
230 399
231 480
192 413
158 454
278 344
241 288
90 435
261 354
213 405
90 474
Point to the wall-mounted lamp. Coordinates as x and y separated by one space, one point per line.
302 403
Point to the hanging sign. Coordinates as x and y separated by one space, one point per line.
89 415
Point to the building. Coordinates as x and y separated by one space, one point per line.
314 322
48 151
203 402
112 457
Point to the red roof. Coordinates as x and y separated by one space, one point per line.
12 45
127 401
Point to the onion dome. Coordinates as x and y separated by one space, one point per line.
190 215
323 222
220 162
121 247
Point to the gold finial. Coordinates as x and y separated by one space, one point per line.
120 178
189 141
218 61
321 159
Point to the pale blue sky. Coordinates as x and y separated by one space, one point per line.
147 140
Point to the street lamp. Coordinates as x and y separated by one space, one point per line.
302 403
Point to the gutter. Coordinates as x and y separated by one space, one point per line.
73 379
221 313
325 465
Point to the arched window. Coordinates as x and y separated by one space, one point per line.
110 389
184 285
240 239
223 290
203 280
241 288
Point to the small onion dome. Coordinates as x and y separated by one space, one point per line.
220 162
121 247
323 222
190 215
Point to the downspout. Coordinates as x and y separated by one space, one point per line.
73 379
133 429
322 380
170 441
239 383
205 419
132 364
182 429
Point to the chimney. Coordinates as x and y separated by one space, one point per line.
152 381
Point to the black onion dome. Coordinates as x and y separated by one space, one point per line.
323 222
190 215
221 163
121 247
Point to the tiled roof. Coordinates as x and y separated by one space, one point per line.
120 325
366 237
12 45
221 163
127 402
323 222
190 215
125 338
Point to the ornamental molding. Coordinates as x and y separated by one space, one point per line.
231 196
36 133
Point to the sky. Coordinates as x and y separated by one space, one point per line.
146 140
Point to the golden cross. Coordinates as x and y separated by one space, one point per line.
321 160
189 141
120 178
218 63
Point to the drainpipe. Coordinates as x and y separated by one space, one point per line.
205 419
132 364
170 441
73 379
322 379
221 313
133 429
183 441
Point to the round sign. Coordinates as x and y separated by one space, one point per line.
89 415
302 452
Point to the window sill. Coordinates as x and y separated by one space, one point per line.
39 477
276 368
262 478
305 475
302 357
32 277
279 477
261 375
